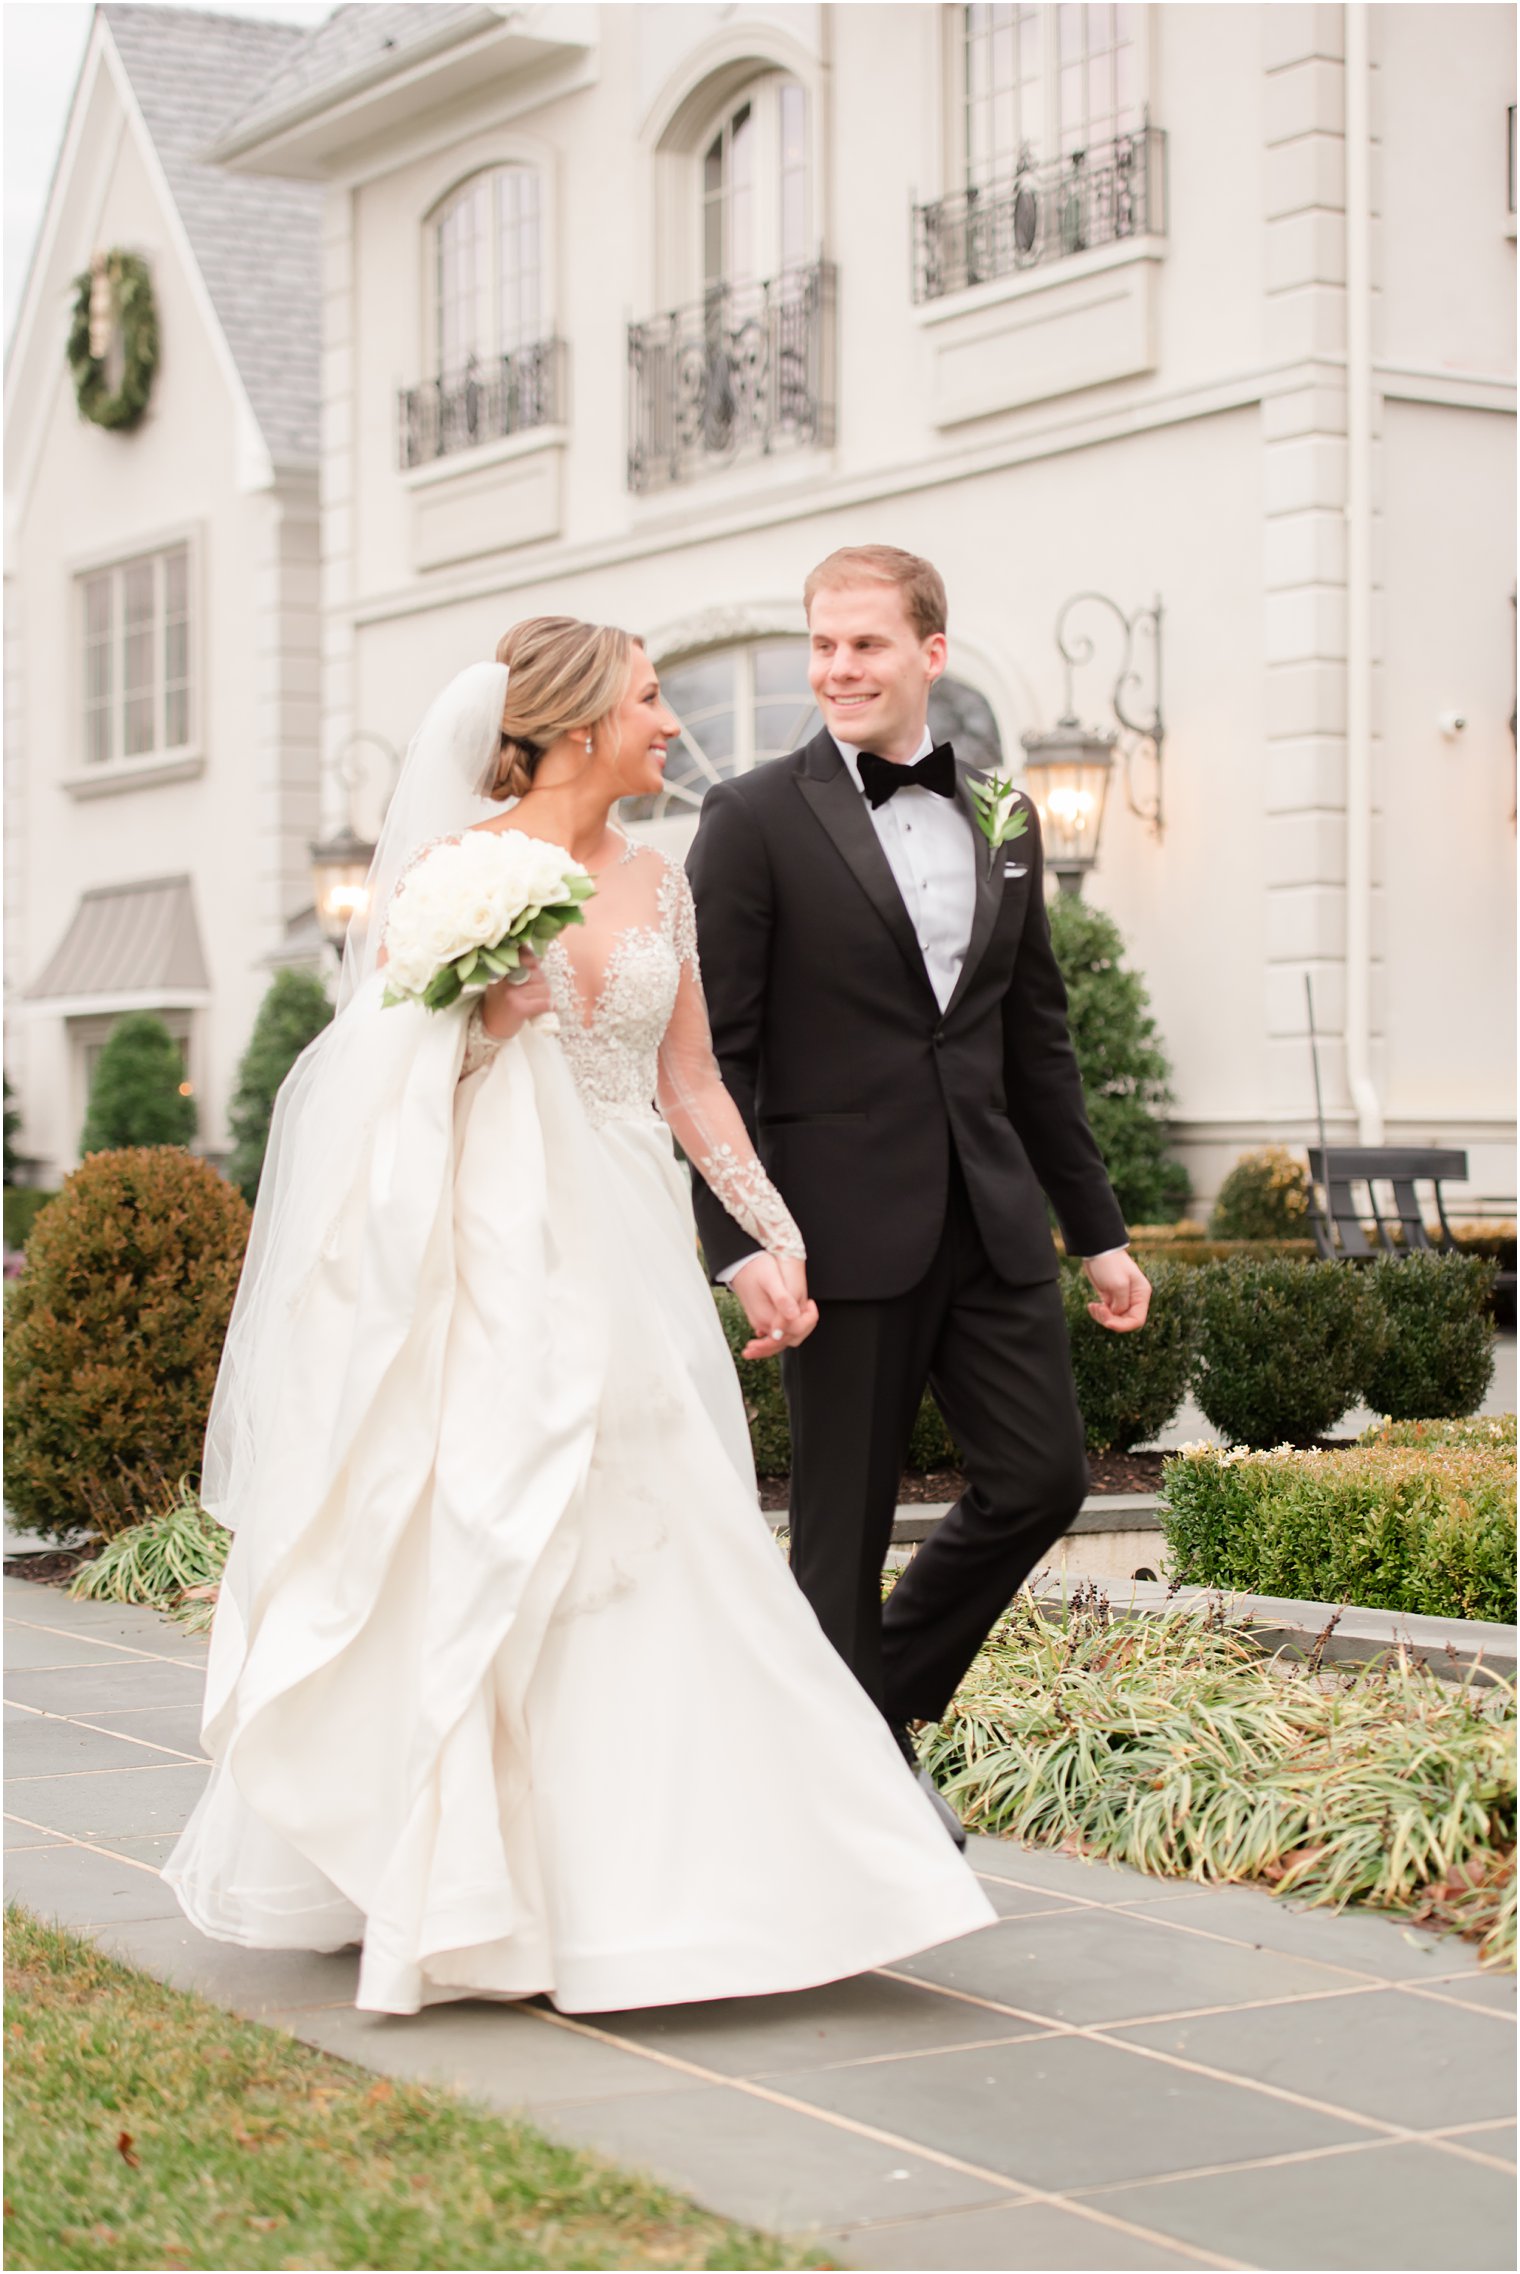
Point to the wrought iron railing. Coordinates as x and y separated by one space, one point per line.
485 402
742 373
1041 213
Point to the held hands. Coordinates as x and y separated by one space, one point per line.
773 1290
508 1004
1124 1292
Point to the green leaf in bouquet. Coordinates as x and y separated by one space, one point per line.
581 887
466 966
390 999
443 989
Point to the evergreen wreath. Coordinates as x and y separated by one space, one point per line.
132 293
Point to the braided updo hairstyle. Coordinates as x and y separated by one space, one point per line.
566 677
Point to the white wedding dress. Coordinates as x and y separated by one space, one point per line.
509 1681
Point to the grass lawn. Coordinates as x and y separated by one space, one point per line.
147 2128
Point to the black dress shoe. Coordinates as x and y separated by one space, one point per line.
940 1804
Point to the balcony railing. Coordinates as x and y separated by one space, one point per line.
1041 213
742 373
486 402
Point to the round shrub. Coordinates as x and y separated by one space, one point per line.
292 1014
1284 1348
1125 1075
1438 1356
1266 1196
139 1095
1129 1386
115 1330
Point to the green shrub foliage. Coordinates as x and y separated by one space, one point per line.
1438 1358
292 1014
1129 1386
1266 1196
1285 1348
12 1132
1480 1432
23 1205
115 1331
135 1096
1125 1075
1427 1531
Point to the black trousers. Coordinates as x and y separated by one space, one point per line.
998 1361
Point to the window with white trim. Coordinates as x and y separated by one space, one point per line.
740 706
755 195
135 639
1041 82
487 269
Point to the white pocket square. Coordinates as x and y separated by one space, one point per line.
1015 868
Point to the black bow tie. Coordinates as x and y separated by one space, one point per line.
881 779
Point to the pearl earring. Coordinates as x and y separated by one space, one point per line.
589 746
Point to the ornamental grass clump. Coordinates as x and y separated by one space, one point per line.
171 1561
1428 1530
115 1330
1284 1348
1170 1744
1438 1354
1130 1386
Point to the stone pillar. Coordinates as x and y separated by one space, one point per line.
1305 563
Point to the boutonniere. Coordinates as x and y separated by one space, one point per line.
1002 812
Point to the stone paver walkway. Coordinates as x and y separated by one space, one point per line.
1124 2072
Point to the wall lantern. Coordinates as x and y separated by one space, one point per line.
339 868
1069 768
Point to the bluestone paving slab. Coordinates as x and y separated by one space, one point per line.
128 1685
151 1847
249 1982
1497 2140
43 1746
20 1835
32 1647
1052 1871
1494 1993
863 2019
1099 1966
1030 2234
1394 2205
1358 1941
1405 2060
499 2054
772 2166
1062 2112
137 1800
1011 1902
81 1887
176 1728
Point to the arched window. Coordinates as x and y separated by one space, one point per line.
487 269
756 218
740 706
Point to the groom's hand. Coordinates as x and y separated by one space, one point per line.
773 1291
1123 1291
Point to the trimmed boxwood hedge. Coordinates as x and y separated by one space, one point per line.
1130 1386
1438 1358
1285 1348
1427 1530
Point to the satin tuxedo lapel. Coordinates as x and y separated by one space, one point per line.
825 781
989 889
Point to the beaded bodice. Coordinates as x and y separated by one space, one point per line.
613 1045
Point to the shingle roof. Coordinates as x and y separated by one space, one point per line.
257 240
362 41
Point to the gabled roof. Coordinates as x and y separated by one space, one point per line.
256 239
357 44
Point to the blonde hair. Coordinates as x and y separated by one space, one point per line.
566 676
919 581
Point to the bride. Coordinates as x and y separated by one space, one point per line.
508 1680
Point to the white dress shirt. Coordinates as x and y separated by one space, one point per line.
931 850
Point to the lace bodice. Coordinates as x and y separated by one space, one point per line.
627 992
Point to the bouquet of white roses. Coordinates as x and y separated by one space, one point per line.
464 913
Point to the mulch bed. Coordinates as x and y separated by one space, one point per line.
54 1567
1111 1472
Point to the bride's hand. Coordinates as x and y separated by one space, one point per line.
507 1004
773 1291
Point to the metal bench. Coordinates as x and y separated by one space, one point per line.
1340 1223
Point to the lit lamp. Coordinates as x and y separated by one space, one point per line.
339 867
1067 771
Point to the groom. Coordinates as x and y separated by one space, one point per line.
889 1017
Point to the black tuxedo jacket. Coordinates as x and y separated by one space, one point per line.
852 1080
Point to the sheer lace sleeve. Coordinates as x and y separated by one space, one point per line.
692 1098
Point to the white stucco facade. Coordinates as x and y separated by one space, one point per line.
1315 477
223 816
